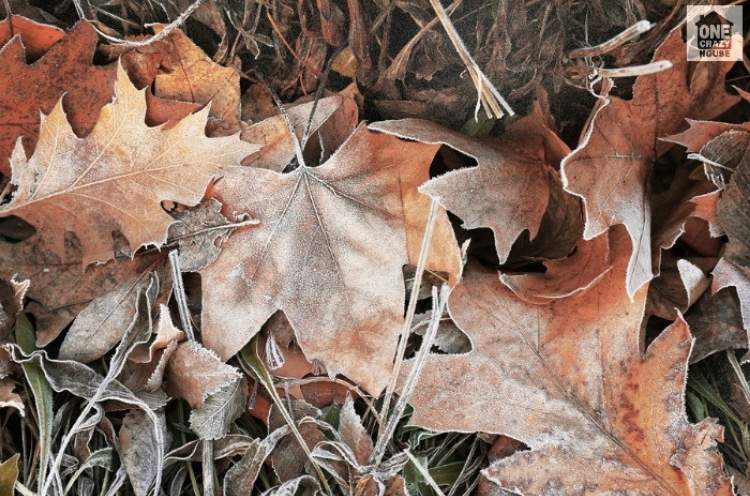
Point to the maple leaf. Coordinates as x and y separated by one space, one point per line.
570 380
328 252
116 178
611 167
30 89
509 189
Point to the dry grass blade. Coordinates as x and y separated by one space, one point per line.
439 300
489 98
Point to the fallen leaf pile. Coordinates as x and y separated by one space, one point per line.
204 290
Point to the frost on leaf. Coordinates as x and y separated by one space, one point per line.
116 178
328 251
612 165
571 381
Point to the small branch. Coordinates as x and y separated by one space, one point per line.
629 34
635 70
166 31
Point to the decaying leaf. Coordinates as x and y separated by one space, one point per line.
273 133
611 167
180 70
570 380
103 322
339 229
139 450
353 432
62 286
194 373
199 233
10 399
508 191
29 90
678 287
213 418
716 322
36 37
116 177
241 477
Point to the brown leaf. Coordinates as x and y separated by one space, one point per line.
563 278
571 381
9 399
194 372
678 287
337 230
199 233
180 70
62 286
29 90
612 164
115 178
716 322
103 322
272 134
507 191
353 433
37 38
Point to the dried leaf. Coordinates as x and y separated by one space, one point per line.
569 379
29 90
566 277
9 399
37 38
353 433
678 287
240 478
212 420
272 134
140 451
102 324
180 70
199 233
62 286
115 178
194 373
716 322
613 161
507 191
338 229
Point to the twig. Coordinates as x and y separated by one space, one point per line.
618 40
488 97
178 290
166 30
635 70
179 294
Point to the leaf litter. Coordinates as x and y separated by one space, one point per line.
292 248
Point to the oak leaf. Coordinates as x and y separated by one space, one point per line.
115 179
571 381
37 38
611 167
328 252
29 90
